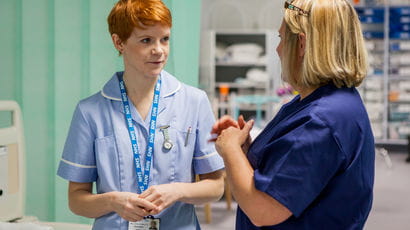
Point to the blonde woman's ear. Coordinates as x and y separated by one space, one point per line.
302 44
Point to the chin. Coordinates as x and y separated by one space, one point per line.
153 74
157 72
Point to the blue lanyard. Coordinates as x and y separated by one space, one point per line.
143 179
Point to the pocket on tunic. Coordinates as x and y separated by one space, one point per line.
175 164
186 139
106 156
186 146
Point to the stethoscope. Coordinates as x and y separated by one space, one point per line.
167 141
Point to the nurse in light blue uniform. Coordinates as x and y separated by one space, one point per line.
99 146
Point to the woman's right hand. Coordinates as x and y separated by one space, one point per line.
247 144
130 206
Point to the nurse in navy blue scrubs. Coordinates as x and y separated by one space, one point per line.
312 167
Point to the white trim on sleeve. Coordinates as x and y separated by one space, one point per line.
78 165
205 156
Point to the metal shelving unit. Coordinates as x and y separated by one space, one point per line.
217 71
388 25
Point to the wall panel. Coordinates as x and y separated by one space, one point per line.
185 40
10 49
10 54
71 82
104 59
34 86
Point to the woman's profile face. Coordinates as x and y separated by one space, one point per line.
279 48
145 53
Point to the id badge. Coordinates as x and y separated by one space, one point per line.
148 223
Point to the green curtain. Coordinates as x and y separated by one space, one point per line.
54 53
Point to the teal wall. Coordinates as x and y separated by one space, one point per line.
52 54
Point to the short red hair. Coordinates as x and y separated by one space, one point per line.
128 14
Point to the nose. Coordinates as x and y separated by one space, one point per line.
279 49
157 49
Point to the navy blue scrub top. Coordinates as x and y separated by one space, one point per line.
316 157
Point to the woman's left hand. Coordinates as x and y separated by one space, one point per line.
221 124
231 138
162 196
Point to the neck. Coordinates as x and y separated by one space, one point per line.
140 91
304 92
139 87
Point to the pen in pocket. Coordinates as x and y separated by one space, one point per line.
187 136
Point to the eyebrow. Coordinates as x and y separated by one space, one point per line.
150 36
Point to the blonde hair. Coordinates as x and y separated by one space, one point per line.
334 51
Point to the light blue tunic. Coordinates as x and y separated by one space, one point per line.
98 147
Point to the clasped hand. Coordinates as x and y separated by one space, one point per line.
231 134
134 207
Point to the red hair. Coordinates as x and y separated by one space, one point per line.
128 14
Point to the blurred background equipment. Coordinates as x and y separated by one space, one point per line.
13 178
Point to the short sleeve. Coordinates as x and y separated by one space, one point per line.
78 159
298 165
206 159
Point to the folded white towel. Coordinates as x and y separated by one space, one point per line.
244 52
257 75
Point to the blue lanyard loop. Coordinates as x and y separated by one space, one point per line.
143 179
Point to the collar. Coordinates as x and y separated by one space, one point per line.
169 87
